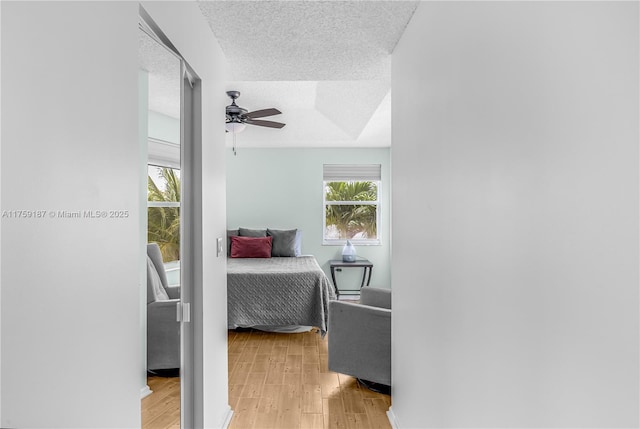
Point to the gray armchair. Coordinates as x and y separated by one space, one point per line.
163 331
360 337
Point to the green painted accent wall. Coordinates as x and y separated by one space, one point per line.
281 188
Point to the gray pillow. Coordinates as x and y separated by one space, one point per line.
284 242
246 232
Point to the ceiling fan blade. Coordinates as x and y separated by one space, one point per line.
262 113
270 124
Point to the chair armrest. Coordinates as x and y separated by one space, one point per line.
360 341
161 314
375 297
173 292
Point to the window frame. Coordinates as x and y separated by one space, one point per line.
161 203
351 176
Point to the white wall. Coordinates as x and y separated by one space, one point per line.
70 301
187 29
143 126
515 216
282 188
0 222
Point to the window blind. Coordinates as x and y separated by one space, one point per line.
163 153
344 172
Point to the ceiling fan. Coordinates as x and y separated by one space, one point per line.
238 118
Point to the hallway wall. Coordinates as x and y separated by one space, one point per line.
515 216
69 285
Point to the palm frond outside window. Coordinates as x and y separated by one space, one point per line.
163 211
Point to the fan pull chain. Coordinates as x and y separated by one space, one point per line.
234 144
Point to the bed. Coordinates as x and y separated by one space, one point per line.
275 292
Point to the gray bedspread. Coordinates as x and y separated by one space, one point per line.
277 291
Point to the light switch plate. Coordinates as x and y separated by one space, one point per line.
220 248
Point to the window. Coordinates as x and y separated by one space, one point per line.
351 204
163 211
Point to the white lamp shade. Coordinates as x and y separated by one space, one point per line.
235 127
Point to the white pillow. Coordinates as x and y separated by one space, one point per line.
298 243
159 292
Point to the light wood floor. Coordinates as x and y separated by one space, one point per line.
161 409
278 381
282 381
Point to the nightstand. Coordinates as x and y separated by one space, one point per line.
365 264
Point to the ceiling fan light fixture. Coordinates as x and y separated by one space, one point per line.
235 127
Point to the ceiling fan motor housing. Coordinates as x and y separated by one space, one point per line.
233 110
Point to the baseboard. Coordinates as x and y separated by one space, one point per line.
227 419
392 419
145 391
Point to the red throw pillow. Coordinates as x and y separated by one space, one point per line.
251 247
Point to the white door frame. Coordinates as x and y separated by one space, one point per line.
189 310
191 370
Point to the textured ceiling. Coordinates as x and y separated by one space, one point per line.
308 40
325 64
163 70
